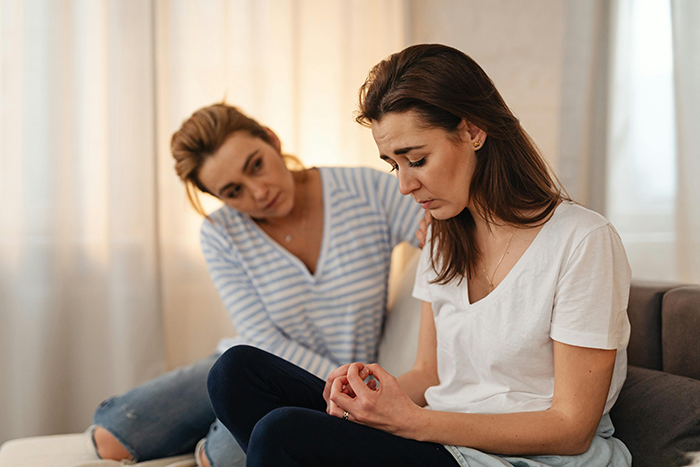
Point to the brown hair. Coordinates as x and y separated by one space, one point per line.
201 135
511 180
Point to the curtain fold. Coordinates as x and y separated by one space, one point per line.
685 16
584 102
79 307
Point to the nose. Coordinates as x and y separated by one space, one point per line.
259 191
407 183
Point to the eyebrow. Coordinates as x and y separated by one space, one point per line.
408 149
245 169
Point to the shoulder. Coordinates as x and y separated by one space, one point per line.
349 176
580 234
224 222
576 222
363 182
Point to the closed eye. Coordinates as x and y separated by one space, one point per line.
418 163
393 164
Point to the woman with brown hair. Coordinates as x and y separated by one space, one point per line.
300 258
522 346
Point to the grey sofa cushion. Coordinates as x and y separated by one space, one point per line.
680 322
644 312
657 416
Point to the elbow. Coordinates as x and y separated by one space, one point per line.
577 443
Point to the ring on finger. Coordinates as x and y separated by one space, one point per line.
345 415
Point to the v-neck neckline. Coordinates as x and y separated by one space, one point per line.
515 270
320 261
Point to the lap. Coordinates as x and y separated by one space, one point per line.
277 413
300 436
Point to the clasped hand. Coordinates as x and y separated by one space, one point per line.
379 403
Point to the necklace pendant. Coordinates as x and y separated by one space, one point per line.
288 238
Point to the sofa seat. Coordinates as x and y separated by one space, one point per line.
74 450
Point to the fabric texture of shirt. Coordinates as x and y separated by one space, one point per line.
495 355
323 320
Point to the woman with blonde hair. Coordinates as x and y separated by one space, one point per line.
300 258
524 329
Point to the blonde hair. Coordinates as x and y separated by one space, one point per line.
201 135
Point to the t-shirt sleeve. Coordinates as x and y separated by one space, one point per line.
402 213
420 285
590 302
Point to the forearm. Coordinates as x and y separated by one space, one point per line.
415 383
525 433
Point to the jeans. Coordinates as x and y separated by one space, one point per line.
276 412
167 416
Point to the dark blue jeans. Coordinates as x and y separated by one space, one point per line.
276 412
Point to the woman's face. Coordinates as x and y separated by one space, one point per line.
431 165
249 175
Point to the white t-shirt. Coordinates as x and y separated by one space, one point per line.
495 355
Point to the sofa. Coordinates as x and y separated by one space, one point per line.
657 414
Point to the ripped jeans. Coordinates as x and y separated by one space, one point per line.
168 415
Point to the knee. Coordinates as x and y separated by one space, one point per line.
107 446
278 435
229 378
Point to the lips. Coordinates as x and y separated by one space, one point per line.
272 203
425 204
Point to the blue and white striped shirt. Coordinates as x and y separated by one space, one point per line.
323 320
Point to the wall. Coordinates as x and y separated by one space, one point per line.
518 43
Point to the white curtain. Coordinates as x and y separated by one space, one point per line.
79 298
629 145
584 102
686 54
102 283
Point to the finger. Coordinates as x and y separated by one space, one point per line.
356 382
364 372
342 401
380 373
340 371
372 384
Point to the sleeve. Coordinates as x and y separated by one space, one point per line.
590 302
420 286
402 213
247 311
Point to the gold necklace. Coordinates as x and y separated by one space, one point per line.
490 280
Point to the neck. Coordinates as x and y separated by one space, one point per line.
301 202
494 227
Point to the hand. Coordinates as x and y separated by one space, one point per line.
340 372
386 407
422 232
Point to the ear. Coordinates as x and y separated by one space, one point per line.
276 143
472 134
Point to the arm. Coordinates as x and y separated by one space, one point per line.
422 232
424 372
582 379
247 311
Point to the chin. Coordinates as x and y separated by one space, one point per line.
443 213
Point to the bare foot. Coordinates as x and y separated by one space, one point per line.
203 459
108 447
